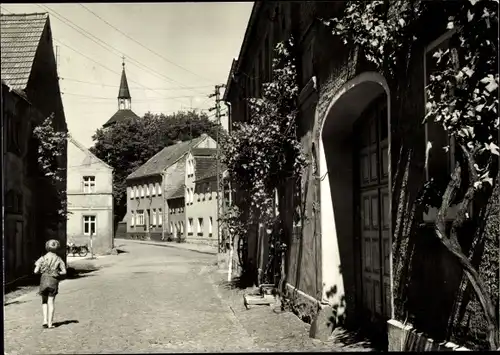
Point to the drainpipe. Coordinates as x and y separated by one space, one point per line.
164 199
2 144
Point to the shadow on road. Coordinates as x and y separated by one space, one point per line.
237 283
14 302
58 324
80 271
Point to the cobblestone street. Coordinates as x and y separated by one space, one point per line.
149 299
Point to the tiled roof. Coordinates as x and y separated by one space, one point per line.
20 37
120 115
206 168
179 192
204 152
165 158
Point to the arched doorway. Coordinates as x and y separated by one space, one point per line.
354 166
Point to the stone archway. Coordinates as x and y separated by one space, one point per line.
346 262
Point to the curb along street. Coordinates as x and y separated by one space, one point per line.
185 246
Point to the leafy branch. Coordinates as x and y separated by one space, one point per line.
51 146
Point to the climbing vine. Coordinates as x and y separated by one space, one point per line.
462 97
262 153
51 144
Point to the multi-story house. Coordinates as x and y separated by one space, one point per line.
30 93
154 184
358 259
201 196
90 199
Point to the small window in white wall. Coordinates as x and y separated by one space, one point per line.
132 219
160 217
142 191
192 195
147 190
89 225
158 189
88 184
182 227
132 193
140 218
153 189
154 217
136 193
190 225
210 225
200 225
171 227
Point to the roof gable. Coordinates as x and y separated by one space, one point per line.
88 152
20 38
165 158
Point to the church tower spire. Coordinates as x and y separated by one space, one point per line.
124 98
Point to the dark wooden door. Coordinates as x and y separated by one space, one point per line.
372 196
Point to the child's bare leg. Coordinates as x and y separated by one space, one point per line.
44 310
51 310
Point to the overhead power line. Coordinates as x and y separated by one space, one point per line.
107 46
133 87
110 98
134 40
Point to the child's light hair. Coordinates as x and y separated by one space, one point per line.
52 245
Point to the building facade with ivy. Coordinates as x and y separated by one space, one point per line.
363 245
30 94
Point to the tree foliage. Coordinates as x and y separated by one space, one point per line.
462 96
51 147
128 144
263 153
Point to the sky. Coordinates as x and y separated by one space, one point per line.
175 54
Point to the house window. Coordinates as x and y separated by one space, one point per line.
190 225
140 218
136 192
142 191
210 225
154 217
153 189
158 189
89 225
190 168
132 192
182 227
160 217
171 227
132 218
88 184
13 134
200 226
147 190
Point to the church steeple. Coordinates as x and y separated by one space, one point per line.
124 98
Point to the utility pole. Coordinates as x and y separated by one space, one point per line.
220 189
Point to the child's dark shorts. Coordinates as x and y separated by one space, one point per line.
49 287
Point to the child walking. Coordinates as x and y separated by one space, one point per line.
51 266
